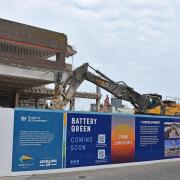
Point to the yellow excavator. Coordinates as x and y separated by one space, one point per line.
143 103
170 108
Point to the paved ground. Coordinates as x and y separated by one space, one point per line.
160 171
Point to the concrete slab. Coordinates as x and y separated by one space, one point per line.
15 77
26 73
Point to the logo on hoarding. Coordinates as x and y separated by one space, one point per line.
25 158
23 118
48 162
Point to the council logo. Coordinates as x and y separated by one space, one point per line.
25 158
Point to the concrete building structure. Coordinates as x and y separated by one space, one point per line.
31 57
26 59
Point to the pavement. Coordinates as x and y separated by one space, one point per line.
157 171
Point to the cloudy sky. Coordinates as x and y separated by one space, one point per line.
137 41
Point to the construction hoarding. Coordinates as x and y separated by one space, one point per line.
46 140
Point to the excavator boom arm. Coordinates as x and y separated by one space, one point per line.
120 90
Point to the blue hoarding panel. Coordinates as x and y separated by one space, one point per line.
88 139
37 143
149 144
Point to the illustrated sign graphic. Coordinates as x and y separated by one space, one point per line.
172 138
122 139
149 138
88 139
37 143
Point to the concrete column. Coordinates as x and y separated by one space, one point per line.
36 103
60 59
72 104
14 99
98 98
17 99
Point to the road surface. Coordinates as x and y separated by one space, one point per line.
159 171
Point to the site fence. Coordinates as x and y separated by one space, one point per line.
33 141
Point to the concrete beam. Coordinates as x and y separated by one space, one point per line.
27 62
32 36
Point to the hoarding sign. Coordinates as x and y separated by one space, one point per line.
53 140
149 138
38 137
122 139
88 139
172 138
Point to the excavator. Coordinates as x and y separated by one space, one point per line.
143 103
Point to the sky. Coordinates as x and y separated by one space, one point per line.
136 41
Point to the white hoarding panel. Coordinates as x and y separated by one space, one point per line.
6 140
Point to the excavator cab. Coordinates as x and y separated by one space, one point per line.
154 104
